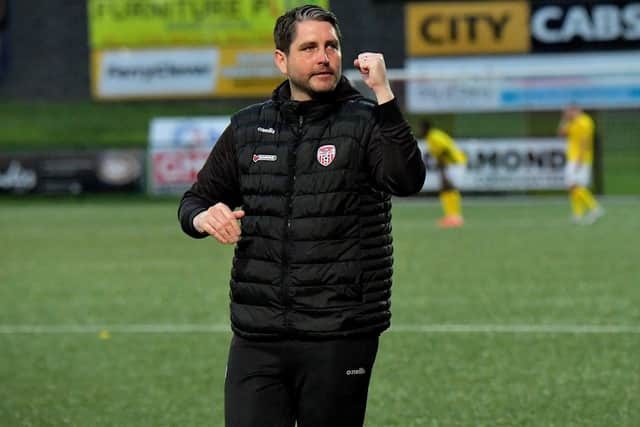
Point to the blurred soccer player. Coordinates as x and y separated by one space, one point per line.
579 129
451 163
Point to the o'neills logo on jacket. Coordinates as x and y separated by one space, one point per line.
326 154
264 158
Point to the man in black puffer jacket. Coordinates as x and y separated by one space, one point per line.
309 174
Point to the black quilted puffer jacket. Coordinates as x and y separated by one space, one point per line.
315 179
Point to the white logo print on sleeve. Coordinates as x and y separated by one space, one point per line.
264 158
272 131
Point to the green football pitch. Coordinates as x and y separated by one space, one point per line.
110 316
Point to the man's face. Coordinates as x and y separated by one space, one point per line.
314 62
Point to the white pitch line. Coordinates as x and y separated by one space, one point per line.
517 329
425 329
125 329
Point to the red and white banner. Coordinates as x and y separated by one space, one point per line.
178 147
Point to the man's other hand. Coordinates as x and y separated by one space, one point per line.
220 222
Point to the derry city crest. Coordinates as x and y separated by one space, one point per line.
326 154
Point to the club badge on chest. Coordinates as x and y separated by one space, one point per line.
326 154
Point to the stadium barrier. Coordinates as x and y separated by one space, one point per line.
72 172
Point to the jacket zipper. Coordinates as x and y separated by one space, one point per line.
286 267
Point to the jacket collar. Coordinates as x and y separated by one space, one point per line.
316 108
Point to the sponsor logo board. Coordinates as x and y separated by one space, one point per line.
178 148
247 72
515 164
184 72
585 25
155 72
72 172
146 23
537 82
456 28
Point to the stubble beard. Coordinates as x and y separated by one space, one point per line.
305 86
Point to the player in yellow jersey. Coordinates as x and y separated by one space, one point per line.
451 165
579 129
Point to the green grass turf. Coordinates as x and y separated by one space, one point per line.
47 125
116 263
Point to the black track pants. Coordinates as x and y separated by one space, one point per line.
314 383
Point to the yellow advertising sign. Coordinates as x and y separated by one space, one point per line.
247 72
462 28
145 23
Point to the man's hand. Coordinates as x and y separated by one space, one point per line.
374 74
220 222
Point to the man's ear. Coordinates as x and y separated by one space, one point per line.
280 59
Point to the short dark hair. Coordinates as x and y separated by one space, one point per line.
285 29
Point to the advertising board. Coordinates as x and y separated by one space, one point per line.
534 26
510 164
178 147
584 25
519 82
151 23
72 172
184 73
456 28
155 72
144 49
